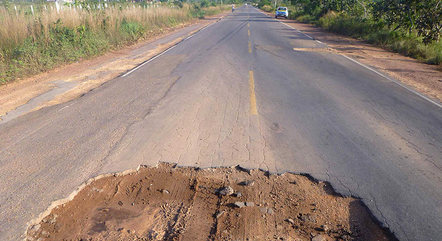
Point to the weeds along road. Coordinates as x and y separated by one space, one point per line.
247 90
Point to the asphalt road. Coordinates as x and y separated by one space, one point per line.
238 92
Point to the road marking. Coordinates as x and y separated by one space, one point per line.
375 71
149 60
248 32
253 108
308 36
394 81
63 108
248 25
250 47
165 51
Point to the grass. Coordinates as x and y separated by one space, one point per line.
408 44
267 8
32 43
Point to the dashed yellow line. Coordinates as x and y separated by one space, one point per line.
253 108
248 33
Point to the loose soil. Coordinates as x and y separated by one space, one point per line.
182 203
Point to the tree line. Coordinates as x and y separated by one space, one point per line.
422 16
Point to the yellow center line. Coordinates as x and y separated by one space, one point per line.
248 25
253 108
250 47
248 32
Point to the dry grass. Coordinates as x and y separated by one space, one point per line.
32 42
16 28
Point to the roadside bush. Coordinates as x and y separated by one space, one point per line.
178 3
267 8
306 19
409 27
197 12
204 3
376 33
262 3
347 25
435 60
131 31
212 10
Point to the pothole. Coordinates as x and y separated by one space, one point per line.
171 203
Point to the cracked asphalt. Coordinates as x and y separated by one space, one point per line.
238 93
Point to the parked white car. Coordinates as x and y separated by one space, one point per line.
282 12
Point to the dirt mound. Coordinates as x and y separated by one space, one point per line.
170 203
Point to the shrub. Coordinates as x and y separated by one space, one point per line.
262 3
204 3
197 12
306 19
131 31
267 8
376 33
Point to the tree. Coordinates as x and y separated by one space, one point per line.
423 16
428 24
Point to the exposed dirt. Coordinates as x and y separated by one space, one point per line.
170 203
425 78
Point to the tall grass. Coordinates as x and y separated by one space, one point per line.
31 43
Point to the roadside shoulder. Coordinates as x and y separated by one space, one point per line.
424 78
88 74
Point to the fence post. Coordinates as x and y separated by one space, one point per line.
57 6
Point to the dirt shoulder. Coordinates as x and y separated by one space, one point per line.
90 73
425 78
171 203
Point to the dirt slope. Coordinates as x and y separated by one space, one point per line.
169 203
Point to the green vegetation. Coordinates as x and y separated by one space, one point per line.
41 37
409 27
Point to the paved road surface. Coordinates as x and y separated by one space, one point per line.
238 93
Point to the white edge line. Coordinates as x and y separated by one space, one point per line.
308 36
148 61
63 108
377 72
393 80
165 51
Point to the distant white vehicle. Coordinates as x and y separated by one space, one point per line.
282 12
